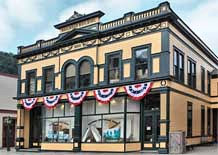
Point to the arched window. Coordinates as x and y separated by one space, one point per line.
70 76
85 74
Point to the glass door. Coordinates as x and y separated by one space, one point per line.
151 129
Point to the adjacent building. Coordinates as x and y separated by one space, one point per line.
119 86
8 108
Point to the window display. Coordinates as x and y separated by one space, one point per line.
57 125
106 122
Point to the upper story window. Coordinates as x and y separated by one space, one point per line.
191 73
85 74
208 82
70 76
202 79
141 63
114 68
178 66
31 83
49 80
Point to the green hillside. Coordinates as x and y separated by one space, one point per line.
8 63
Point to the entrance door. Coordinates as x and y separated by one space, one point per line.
8 132
35 127
151 129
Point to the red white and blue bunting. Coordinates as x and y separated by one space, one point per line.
29 103
51 101
138 91
105 95
76 98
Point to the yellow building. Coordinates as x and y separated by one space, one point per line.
88 89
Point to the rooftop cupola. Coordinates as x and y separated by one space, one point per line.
77 20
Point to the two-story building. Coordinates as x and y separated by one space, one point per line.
119 86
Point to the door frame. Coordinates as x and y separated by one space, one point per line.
154 114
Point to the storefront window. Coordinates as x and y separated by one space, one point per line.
88 107
113 128
132 127
59 110
50 133
47 112
117 104
69 110
91 128
102 108
133 106
57 125
106 124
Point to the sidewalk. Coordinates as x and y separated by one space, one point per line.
204 150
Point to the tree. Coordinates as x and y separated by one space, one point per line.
8 63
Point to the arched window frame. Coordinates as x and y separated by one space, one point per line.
63 71
91 62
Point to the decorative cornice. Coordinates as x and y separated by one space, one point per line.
94 42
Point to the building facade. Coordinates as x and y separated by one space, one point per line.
8 108
125 84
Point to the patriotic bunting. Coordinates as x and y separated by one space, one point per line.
29 103
51 101
138 91
76 98
105 95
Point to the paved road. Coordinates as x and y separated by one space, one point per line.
204 150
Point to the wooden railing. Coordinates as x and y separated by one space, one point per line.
39 44
134 17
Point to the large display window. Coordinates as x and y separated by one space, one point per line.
108 123
58 123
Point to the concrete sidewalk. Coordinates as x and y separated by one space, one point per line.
204 150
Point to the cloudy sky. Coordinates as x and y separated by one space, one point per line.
22 22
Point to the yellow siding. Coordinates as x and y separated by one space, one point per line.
214 87
39 85
26 128
163 114
126 70
101 74
189 53
156 65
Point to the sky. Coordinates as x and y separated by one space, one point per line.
23 22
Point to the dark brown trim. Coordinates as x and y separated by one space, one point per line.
8 111
9 75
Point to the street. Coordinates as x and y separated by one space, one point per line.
207 150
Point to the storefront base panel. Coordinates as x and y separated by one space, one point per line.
102 147
133 147
198 140
57 146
